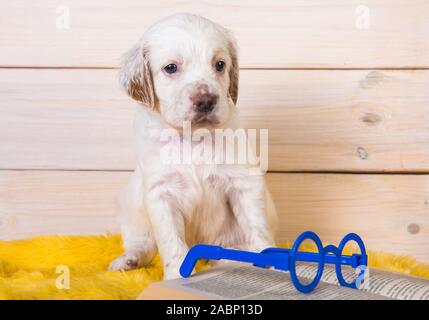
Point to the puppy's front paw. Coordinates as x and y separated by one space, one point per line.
171 269
170 274
125 262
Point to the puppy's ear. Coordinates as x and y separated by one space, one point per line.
135 76
234 70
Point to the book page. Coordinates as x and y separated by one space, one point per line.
246 282
241 281
381 282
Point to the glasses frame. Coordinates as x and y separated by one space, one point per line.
285 259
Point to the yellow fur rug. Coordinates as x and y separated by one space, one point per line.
28 268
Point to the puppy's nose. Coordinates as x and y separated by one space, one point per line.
205 102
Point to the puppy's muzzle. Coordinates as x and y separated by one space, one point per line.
203 101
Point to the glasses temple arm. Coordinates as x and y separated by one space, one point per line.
203 251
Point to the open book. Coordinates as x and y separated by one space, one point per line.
241 281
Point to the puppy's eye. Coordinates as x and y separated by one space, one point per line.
220 65
170 68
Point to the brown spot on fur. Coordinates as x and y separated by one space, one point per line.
135 76
233 73
215 181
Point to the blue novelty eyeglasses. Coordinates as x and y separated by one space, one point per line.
285 259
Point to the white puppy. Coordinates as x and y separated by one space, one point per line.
185 69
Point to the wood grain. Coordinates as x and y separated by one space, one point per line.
391 212
273 34
318 120
37 202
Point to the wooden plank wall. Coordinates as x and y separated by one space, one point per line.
347 108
